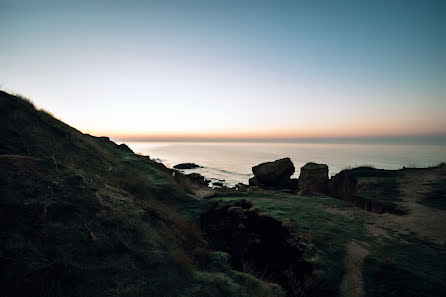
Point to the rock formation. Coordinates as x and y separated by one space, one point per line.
199 179
313 178
343 186
273 174
186 166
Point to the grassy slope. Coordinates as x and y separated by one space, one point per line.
326 233
82 216
437 197
401 266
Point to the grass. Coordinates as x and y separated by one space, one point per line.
401 266
412 269
308 217
436 198
378 188
80 229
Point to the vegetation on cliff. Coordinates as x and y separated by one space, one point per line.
83 216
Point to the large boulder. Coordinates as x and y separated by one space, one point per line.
313 178
273 174
343 186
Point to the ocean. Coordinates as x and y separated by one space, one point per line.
231 162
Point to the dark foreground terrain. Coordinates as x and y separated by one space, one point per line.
83 216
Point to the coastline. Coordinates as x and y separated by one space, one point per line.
232 162
83 214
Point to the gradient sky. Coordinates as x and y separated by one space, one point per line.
230 68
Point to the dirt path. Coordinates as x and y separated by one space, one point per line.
352 283
426 222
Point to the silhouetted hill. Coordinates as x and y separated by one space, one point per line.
83 216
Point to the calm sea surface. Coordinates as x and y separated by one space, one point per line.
231 162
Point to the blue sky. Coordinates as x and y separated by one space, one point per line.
230 68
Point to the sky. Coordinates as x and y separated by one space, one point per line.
230 69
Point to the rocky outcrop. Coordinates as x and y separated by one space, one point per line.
198 178
254 182
313 178
273 174
343 186
241 187
187 166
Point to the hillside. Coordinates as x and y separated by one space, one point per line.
83 216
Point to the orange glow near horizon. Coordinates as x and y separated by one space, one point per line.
157 71
259 135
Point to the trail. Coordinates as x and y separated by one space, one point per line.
427 223
352 283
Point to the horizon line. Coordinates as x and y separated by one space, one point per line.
420 138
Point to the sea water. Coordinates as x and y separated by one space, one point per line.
231 162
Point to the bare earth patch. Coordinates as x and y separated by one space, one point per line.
352 283
426 222
202 192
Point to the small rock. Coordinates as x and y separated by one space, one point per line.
241 187
198 178
186 166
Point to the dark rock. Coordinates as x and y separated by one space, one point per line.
313 178
198 178
275 173
241 187
253 182
218 184
292 184
186 166
343 186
